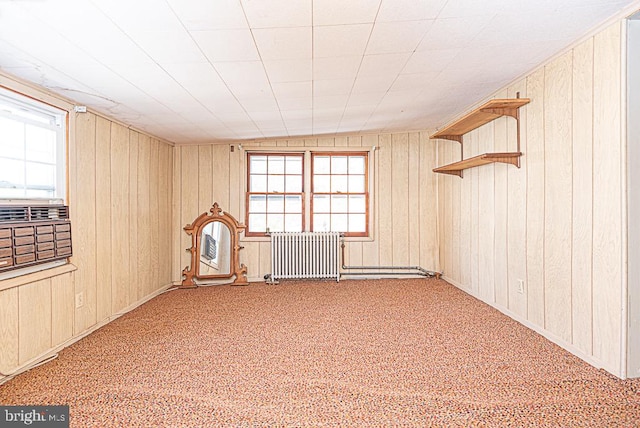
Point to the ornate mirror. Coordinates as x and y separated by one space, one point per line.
214 249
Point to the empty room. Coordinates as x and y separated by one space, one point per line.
319 213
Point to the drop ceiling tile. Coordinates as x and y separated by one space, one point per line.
302 126
209 15
299 132
283 43
302 103
413 82
127 14
429 61
409 10
340 40
327 113
334 12
200 79
257 89
277 13
275 132
290 70
396 37
262 104
336 68
330 101
168 46
289 115
227 45
384 64
465 8
365 99
373 83
292 89
358 112
454 33
332 87
241 72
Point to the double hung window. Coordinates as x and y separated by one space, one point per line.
282 196
32 159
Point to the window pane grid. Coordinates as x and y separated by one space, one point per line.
275 193
340 197
30 163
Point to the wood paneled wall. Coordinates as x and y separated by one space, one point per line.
557 222
120 198
404 198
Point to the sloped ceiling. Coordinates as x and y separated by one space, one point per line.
195 71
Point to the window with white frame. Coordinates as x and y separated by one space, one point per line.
32 138
283 197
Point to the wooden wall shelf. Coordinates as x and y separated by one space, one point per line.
484 159
482 115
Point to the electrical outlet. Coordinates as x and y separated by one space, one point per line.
79 299
521 286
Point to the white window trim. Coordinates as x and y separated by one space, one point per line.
21 100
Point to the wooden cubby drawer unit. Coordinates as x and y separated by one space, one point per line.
23 231
46 246
45 238
23 240
44 229
33 234
63 235
63 227
63 251
49 254
26 258
63 243
24 249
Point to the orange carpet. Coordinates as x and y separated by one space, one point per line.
414 352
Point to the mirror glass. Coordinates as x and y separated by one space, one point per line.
215 250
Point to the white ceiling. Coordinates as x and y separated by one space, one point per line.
196 71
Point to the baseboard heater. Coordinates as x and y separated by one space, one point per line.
304 255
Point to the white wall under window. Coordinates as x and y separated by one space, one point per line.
32 148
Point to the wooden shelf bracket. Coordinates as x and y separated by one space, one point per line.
482 115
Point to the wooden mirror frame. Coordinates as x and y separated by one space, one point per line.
237 270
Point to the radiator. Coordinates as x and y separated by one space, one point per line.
300 255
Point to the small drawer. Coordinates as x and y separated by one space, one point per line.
23 240
42 255
63 227
24 249
63 235
45 237
5 252
64 251
23 231
25 259
5 233
5 242
46 246
6 263
44 229
63 243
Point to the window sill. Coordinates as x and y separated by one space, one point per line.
36 276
